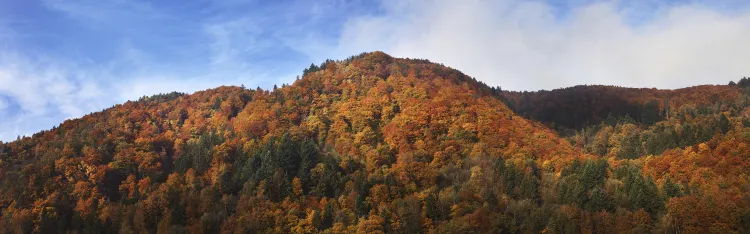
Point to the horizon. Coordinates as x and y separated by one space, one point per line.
301 77
62 60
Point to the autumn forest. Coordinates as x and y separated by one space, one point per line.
376 144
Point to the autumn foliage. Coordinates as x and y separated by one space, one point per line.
376 144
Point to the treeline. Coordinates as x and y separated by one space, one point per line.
575 108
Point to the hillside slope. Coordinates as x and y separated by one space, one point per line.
375 144
693 141
352 137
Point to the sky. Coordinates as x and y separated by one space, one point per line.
62 59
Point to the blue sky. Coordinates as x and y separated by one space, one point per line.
62 59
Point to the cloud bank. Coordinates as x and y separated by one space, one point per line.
531 45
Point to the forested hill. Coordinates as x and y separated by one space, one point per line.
364 141
582 106
375 144
693 141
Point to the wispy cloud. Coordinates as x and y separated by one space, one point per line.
233 39
107 12
34 89
81 56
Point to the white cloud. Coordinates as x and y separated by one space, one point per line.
45 93
37 83
525 45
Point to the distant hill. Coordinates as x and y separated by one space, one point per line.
581 106
380 144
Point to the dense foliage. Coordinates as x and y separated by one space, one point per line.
378 144
582 106
692 141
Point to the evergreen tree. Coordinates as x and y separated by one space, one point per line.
610 120
688 135
724 124
744 82
643 194
600 200
630 147
671 189
327 217
529 187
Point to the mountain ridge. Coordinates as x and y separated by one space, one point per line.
610 100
